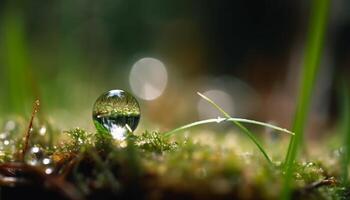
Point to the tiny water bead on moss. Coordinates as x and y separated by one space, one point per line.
115 112
37 157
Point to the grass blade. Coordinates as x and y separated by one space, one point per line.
240 126
219 120
16 74
312 57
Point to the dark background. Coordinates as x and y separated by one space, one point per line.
67 53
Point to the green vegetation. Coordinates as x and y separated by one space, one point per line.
159 168
241 127
16 60
78 164
313 52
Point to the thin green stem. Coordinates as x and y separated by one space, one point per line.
219 120
240 126
311 63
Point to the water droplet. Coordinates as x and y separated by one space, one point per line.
38 158
34 156
115 112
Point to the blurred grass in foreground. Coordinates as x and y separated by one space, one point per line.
17 77
313 52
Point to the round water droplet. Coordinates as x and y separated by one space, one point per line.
115 112
34 156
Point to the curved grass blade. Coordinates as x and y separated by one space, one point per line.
240 126
219 120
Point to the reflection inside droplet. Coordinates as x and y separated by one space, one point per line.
118 132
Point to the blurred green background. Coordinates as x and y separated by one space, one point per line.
246 55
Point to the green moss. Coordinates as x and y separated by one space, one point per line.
153 141
152 162
79 138
309 172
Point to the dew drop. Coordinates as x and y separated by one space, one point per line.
34 156
115 112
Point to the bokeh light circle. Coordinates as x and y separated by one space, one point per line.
148 78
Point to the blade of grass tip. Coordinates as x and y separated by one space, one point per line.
318 20
240 126
249 121
219 120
